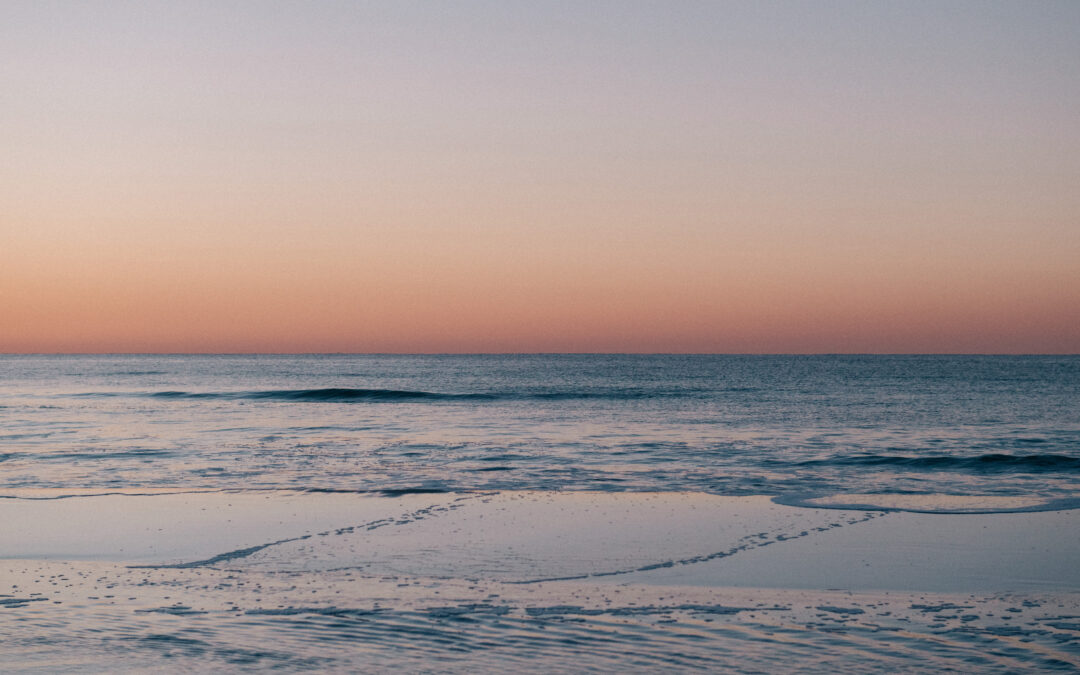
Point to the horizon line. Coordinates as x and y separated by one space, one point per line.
540 353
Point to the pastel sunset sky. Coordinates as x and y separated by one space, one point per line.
504 176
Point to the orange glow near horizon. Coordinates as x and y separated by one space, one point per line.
519 179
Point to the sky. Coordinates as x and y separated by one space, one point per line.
507 176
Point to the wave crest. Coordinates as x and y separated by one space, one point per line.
987 463
348 394
330 394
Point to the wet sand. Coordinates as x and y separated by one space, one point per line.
535 581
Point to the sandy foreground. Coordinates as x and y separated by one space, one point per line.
535 581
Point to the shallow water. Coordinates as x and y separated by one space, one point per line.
541 582
735 425
231 622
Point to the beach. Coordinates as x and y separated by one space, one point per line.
540 581
542 513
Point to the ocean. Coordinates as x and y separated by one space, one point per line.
728 425
541 513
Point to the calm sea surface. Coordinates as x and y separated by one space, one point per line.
733 425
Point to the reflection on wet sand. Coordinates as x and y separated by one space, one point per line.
533 581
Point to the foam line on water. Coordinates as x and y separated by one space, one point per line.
929 503
237 554
748 543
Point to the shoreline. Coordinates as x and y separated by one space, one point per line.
544 581
525 537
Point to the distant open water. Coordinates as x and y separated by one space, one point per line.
733 425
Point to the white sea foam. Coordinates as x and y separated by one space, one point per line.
932 503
